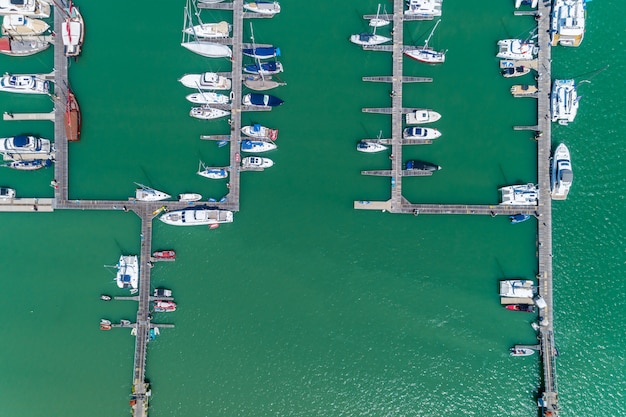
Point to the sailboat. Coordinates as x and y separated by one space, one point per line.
370 38
378 21
426 53
208 30
208 49
204 97
145 193
260 79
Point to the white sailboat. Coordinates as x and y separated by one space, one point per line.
379 21
260 81
426 53
366 39
144 193
207 49
207 30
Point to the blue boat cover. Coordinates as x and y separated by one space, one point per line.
256 127
20 141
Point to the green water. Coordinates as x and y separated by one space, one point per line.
304 306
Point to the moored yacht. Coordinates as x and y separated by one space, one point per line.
426 53
264 68
211 172
516 49
210 30
261 100
73 32
561 173
206 97
206 81
19 25
144 193
24 84
424 9
208 49
420 116
206 112
197 217
517 288
256 162
567 26
260 132
421 133
263 7
370 147
521 352
261 52
33 8
257 146
520 195
24 144
21 47
127 272
189 197
365 39
564 101
421 166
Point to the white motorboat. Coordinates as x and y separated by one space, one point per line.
73 32
208 49
205 97
260 132
19 25
564 101
421 133
206 112
6 193
517 288
370 147
257 146
23 144
567 25
425 53
127 272
206 81
256 162
210 30
197 217
516 49
424 9
24 84
144 193
421 116
32 8
561 173
21 46
263 7
520 195
189 197
515 351
211 172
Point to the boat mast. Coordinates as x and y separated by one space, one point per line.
256 58
377 14
431 34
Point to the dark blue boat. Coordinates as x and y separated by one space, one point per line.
262 52
256 99
518 218
265 68
422 166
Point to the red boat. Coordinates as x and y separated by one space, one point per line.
526 308
164 254
72 118
164 306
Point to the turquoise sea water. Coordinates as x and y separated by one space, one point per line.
304 306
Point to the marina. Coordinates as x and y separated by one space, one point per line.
145 210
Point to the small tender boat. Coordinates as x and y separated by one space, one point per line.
164 254
261 82
25 84
127 272
7 193
526 308
210 30
263 7
524 90
30 165
421 133
21 47
561 173
162 292
260 132
212 173
564 101
516 49
144 193
370 147
520 195
518 218
32 8
124 323
421 166
19 25
256 162
424 9
518 288
22 145
189 197
105 324
164 306
72 118
263 100
514 71
208 49
205 97
264 68
420 116
206 81
257 146
261 52
521 352
206 112
105 297
196 217
73 32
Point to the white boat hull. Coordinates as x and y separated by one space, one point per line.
208 49
207 98
24 84
189 197
209 30
561 173
207 113
206 81
369 39
263 8
422 116
18 25
256 162
520 195
214 173
197 217
427 55
421 133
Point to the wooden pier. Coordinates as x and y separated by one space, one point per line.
29 116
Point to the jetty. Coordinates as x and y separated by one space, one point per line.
548 398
